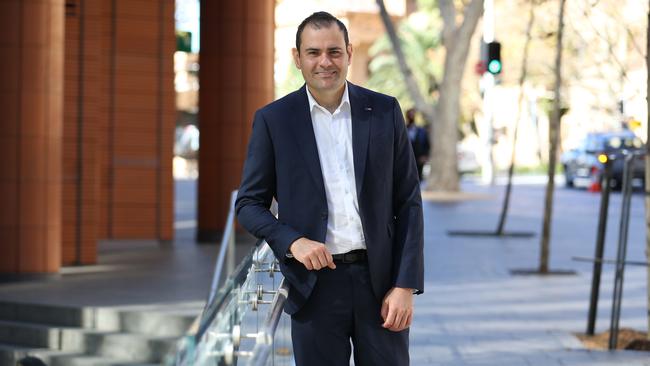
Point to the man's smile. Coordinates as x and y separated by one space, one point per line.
326 74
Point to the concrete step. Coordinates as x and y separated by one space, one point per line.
132 335
85 360
64 316
125 346
160 320
100 349
130 347
42 336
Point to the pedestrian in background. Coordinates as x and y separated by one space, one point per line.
419 140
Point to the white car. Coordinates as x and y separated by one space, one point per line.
467 161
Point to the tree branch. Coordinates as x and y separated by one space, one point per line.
522 79
411 85
448 13
472 12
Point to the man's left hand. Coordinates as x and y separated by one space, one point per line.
397 309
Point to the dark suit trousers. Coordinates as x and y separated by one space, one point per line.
342 307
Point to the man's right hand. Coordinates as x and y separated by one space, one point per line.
312 254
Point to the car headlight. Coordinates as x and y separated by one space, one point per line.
602 158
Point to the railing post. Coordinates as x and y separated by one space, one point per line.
264 344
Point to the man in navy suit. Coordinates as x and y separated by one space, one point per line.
348 235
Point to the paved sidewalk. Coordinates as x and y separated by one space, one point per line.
132 273
474 312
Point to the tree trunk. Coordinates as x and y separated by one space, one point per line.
647 166
522 78
554 132
444 119
444 132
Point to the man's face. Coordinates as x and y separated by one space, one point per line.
323 58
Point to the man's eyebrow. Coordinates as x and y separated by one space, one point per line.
310 49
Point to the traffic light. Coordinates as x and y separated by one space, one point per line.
494 58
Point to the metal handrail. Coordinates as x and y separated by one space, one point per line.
219 300
227 246
264 341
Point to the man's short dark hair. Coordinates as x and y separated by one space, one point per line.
321 19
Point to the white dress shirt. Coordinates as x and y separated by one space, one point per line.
333 132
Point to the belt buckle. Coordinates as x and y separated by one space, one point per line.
349 257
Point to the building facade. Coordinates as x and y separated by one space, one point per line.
89 105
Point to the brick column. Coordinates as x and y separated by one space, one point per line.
136 181
83 114
31 101
236 78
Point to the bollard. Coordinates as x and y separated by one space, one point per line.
621 251
600 246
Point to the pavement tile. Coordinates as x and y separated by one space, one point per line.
475 312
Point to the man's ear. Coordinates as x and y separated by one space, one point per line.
348 49
296 57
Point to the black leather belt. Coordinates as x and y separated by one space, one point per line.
358 255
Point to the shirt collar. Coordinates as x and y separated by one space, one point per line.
345 99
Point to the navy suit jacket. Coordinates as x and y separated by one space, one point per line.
283 163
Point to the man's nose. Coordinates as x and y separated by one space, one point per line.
325 60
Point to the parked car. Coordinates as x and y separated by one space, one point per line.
584 165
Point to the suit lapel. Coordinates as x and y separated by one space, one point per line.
304 131
361 116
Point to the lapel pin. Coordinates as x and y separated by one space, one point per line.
368 108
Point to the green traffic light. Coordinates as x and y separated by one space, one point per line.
494 67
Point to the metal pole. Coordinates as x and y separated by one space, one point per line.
265 337
621 252
487 83
224 249
600 247
230 264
